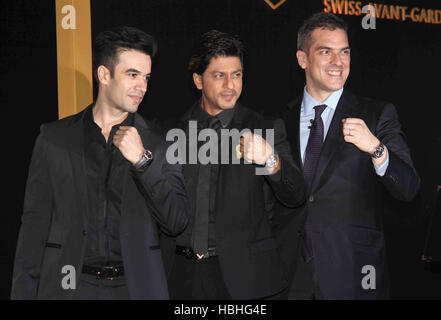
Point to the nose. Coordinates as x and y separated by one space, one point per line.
336 59
141 85
228 82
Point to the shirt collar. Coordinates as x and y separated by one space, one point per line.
225 116
89 121
308 102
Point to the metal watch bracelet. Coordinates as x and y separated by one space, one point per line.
378 153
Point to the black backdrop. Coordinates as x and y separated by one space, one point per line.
397 62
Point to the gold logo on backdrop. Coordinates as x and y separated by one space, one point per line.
383 11
274 6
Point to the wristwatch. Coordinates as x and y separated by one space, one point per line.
271 161
145 160
378 153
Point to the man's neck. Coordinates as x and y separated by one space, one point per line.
318 95
211 111
106 117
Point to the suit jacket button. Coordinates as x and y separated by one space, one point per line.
311 198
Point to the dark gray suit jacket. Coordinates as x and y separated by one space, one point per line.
55 218
248 255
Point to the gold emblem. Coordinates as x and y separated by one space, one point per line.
238 153
274 6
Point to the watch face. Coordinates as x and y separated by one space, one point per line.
148 155
379 152
271 161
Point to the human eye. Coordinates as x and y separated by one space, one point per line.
218 75
324 51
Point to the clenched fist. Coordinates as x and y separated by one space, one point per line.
256 149
355 131
128 141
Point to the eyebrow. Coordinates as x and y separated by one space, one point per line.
238 70
329 48
135 71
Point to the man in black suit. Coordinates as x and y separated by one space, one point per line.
351 150
228 250
98 188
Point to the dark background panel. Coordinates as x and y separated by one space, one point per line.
28 98
397 62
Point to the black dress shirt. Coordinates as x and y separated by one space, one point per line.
203 118
105 170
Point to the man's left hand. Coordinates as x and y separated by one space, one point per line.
355 131
128 141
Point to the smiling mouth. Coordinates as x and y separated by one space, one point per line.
335 73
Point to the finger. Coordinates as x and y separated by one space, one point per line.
117 143
117 139
249 156
352 126
354 121
119 133
247 139
248 147
346 132
247 135
349 139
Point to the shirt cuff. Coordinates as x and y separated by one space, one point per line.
381 170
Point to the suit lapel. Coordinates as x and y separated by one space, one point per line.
238 118
334 141
292 121
143 130
75 141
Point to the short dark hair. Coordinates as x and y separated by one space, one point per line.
214 44
109 44
320 20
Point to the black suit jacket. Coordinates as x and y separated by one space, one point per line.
345 202
55 219
247 249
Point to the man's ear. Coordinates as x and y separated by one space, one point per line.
103 74
197 79
302 59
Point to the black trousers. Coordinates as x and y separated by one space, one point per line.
91 288
197 280
304 285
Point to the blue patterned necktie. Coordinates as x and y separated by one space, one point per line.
312 155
